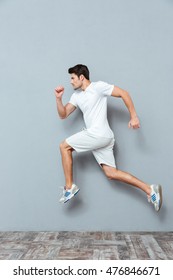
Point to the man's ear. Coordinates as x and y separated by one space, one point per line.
81 77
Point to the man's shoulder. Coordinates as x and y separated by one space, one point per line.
103 88
101 85
98 84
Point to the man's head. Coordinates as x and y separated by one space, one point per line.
79 74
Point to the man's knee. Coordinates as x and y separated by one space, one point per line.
64 146
109 171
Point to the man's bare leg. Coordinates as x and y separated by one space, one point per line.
115 174
67 162
111 172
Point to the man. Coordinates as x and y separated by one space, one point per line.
91 98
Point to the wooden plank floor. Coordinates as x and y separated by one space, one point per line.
86 245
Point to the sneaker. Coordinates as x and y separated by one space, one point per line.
68 194
156 196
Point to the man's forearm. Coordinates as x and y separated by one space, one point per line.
60 108
129 104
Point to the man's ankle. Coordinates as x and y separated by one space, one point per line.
68 187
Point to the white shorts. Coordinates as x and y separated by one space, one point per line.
101 147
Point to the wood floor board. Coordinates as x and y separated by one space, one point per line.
153 248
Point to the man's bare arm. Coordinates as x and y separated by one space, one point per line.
118 92
63 111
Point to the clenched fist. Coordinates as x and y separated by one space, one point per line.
59 91
134 123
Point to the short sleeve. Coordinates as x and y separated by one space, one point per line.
73 100
105 88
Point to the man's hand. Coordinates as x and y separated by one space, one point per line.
134 123
59 92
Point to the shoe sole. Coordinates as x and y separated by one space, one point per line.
72 195
160 193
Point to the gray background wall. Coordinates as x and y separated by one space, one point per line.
127 43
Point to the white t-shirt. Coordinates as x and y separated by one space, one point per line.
93 104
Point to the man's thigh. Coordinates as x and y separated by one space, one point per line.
84 141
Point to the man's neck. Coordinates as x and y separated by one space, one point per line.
86 83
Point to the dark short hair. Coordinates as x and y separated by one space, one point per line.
79 69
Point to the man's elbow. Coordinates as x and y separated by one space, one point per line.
62 117
124 94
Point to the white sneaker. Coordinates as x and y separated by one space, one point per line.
69 193
156 196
